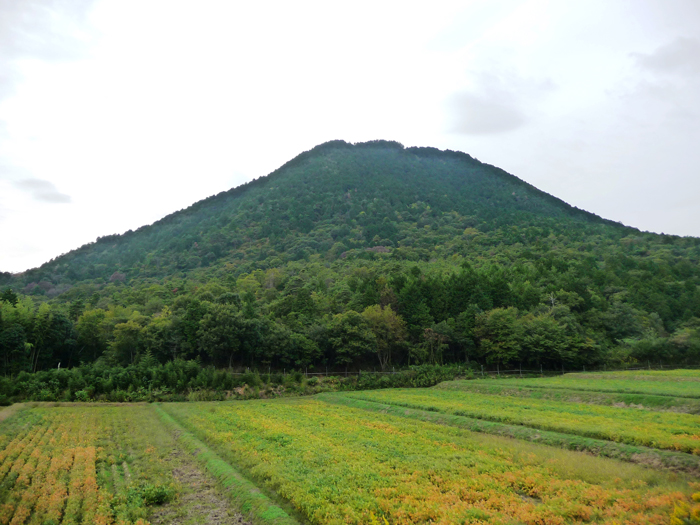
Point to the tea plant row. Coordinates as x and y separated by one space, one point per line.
77 466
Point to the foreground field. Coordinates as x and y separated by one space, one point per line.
463 452
94 465
76 465
342 465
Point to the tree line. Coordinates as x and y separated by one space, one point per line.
354 256
356 315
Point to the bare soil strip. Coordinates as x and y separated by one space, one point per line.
200 500
242 492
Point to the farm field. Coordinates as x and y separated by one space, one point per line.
644 375
514 388
663 430
660 459
674 383
96 465
374 457
337 464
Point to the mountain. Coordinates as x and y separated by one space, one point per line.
473 262
336 197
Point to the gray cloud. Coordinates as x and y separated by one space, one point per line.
681 56
43 190
481 114
497 103
668 85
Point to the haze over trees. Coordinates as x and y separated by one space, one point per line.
365 255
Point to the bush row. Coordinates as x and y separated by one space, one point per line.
189 381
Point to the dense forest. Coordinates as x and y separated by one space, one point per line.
365 255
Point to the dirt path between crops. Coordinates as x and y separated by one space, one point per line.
200 501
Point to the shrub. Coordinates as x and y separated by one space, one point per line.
81 395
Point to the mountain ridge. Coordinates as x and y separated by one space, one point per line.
316 152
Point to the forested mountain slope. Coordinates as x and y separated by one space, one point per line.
337 196
372 252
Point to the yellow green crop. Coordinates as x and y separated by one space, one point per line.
75 466
338 465
663 430
679 383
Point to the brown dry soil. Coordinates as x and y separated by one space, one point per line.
199 500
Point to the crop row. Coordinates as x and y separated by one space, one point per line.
663 430
49 473
337 464
57 466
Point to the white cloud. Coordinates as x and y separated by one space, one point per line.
497 102
680 56
477 114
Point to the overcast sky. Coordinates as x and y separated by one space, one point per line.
114 113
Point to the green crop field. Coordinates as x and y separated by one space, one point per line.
642 375
675 383
662 430
515 388
342 465
439 455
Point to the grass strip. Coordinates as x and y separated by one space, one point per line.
513 388
673 461
248 497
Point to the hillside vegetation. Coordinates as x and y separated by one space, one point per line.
364 255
